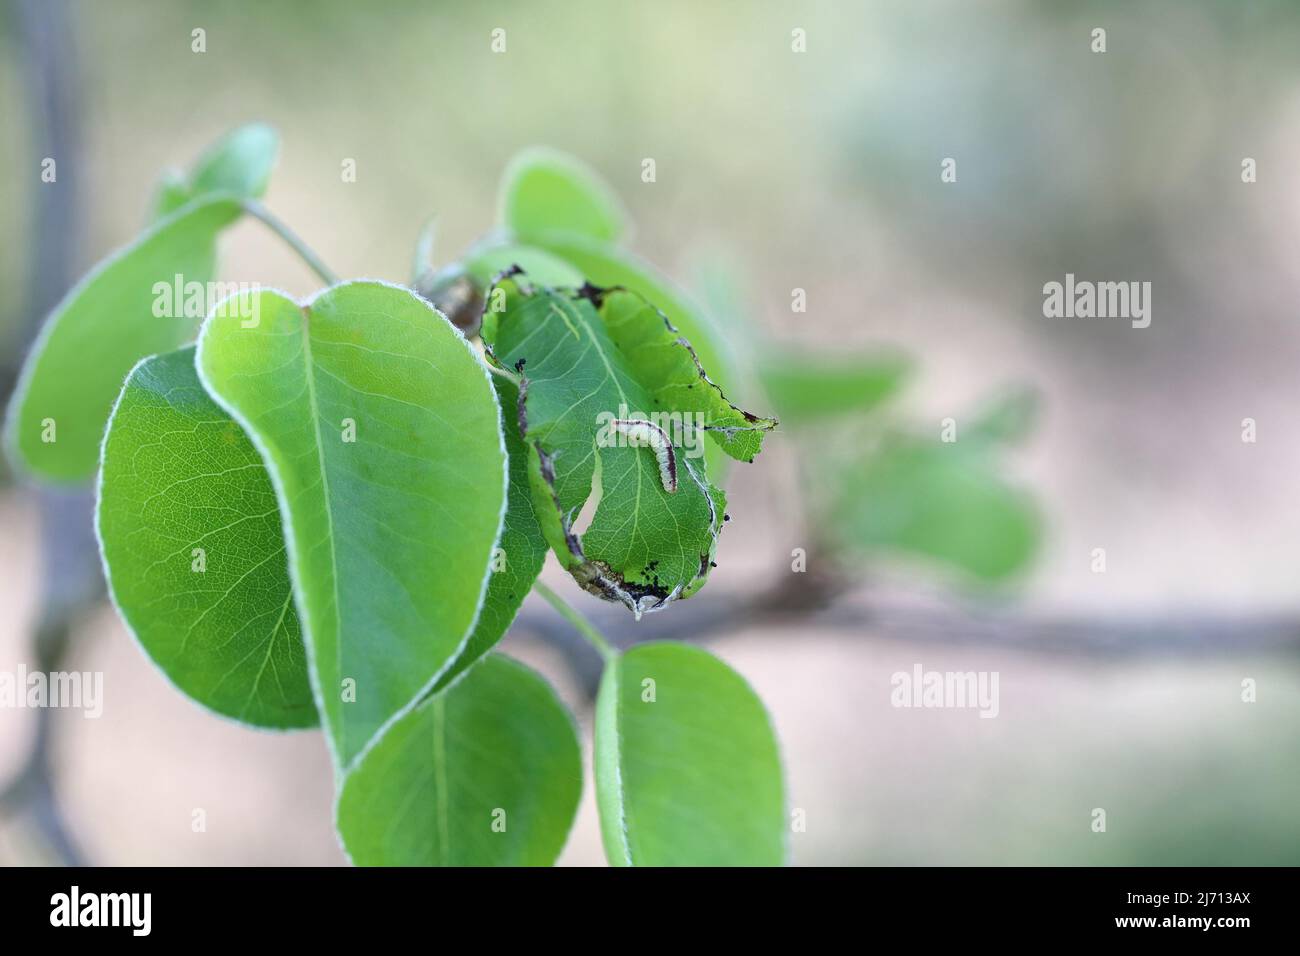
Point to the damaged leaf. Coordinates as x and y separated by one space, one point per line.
667 362
600 374
553 205
607 266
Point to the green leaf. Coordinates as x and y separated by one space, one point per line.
172 192
546 192
808 388
605 266
103 326
543 268
457 290
383 438
688 772
654 530
668 365
522 548
193 549
946 502
238 165
487 772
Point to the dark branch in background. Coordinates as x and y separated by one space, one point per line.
31 793
807 602
71 578
42 33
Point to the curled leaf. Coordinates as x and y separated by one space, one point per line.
598 368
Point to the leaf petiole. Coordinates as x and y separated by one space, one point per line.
500 372
580 623
258 211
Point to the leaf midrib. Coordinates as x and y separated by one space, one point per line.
604 359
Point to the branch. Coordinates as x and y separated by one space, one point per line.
830 604
71 567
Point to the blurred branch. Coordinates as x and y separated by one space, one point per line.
49 74
71 567
30 794
808 603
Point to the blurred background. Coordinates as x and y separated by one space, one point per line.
776 170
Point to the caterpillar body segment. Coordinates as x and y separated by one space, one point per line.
638 431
